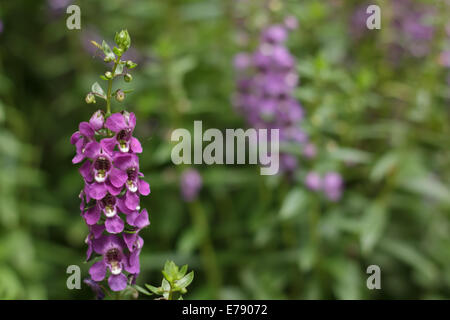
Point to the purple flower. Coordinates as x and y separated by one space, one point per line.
80 139
313 181
310 151
275 34
95 231
129 163
332 186
444 58
98 291
242 61
122 124
191 183
111 248
291 23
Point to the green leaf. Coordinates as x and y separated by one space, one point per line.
98 91
153 289
185 281
165 286
182 271
350 155
107 51
373 224
170 271
119 68
384 166
142 290
294 203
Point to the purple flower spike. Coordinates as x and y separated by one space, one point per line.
110 198
267 79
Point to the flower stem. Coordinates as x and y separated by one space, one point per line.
110 81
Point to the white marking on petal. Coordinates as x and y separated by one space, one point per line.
116 268
110 212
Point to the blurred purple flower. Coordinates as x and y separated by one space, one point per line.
291 23
444 58
332 186
409 22
310 151
266 82
313 181
191 183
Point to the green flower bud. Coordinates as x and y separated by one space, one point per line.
130 64
120 95
108 59
127 77
90 98
108 75
123 40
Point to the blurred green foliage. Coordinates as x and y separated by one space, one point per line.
385 127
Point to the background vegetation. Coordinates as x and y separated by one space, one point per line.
381 120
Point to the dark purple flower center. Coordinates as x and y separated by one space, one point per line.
132 174
124 135
109 205
109 200
112 255
102 163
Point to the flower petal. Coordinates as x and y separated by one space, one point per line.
86 172
92 215
116 122
108 144
75 137
141 221
92 149
144 187
97 190
126 161
133 264
86 130
130 239
135 145
97 120
122 207
114 224
117 177
113 190
89 251
132 121
131 200
98 271
78 158
117 282
97 230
